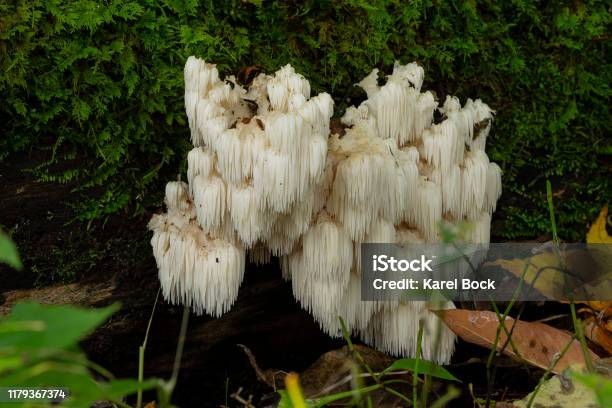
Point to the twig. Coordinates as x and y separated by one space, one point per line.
549 318
261 376
245 403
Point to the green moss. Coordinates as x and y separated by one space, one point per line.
101 83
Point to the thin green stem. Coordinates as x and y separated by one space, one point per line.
495 309
165 391
141 352
226 390
427 378
179 348
375 376
443 401
581 338
501 325
357 355
399 395
576 321
494 371
551 211
321 402
417 359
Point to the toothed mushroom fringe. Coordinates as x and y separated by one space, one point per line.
266 176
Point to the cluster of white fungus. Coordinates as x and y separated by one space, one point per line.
266 176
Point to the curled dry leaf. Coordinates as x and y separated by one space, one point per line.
536 343
597 333
604 309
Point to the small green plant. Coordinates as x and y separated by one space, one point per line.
39 349
385 380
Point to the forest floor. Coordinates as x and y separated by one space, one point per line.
65 262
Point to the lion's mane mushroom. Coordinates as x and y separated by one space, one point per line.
266 176
255 175
396 176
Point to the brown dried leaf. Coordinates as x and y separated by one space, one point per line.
604 308
537 343
597 333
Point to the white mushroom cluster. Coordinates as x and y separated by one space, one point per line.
266 176
254 180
